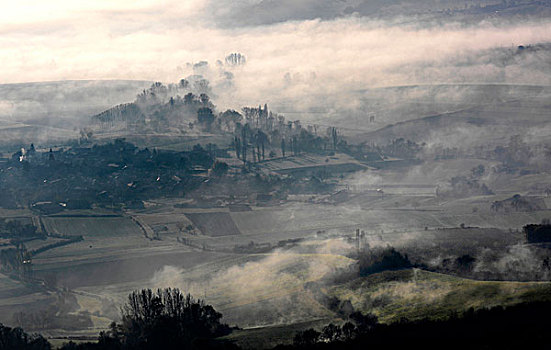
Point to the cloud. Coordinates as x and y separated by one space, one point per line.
306 62
519 262
251 13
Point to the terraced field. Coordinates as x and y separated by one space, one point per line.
214 224
292 218
90 226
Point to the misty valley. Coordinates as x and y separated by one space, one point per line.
268 198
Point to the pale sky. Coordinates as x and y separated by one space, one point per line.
154 40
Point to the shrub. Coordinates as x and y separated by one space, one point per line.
378 260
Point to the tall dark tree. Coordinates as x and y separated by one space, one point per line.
205 117
261 139
244 141
334 137
263 150
237 145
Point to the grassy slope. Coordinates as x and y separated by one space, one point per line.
412 293
416 294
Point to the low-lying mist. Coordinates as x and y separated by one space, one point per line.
264 289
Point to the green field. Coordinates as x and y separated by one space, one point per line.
413 294
416 294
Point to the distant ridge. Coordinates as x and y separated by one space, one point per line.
68 100
76 81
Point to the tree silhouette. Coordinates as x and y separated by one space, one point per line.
377 260
16 338
306 338
205 117
165 319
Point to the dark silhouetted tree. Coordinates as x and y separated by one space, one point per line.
220 168
237 145
331 333
165 319
379 260
16 338
205 117
306 338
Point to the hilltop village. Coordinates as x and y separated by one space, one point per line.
259 151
